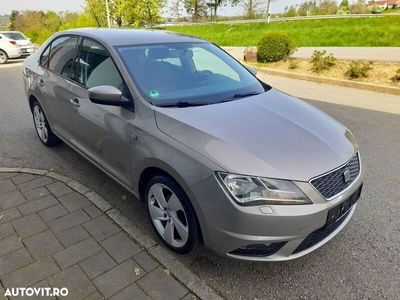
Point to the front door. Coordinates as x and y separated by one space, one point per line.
102 132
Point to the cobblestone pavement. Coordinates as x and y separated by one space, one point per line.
53 236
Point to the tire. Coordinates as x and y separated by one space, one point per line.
171 218
3 57
43 130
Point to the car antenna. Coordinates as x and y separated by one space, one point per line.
95 17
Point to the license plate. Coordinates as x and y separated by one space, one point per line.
30 50
340 210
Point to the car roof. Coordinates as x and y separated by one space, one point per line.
119 37
8 31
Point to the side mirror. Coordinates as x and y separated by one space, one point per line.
106 95
252 70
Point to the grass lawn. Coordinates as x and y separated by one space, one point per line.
357 32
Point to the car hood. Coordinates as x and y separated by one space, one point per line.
271 134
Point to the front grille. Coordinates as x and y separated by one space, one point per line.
334 182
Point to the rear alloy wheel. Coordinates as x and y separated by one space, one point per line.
171 214
3 57
42 127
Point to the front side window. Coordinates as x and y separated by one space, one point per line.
62 54
96 67
44 58
187 73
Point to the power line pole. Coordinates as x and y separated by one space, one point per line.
108 15
268 16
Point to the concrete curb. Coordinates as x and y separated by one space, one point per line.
183 274
340 82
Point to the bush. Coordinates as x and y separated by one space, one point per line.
396 77
321 61
275 46
293 64
359 69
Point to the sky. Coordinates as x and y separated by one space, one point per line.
76 5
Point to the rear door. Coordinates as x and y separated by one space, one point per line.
55 83
102 132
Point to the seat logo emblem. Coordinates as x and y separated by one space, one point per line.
347 176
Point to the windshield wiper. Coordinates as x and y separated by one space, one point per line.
183 104
235 96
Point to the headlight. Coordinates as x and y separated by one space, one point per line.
248 190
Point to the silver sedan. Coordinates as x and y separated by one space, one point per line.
217 156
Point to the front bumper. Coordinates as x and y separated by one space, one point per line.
26 51
227 227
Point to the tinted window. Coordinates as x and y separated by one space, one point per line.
96 67
62 54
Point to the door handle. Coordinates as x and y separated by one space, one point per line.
75 102
41 82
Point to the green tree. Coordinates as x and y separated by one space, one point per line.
75 20
327 7
214 5
344 7
196 8
290 11
131 12
252 8
13 17
359 7
97 10
307 8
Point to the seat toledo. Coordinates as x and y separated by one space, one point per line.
217 155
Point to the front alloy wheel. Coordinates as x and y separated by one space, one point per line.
171 214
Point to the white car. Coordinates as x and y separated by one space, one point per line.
14 44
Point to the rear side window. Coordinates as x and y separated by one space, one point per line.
14 35
62 54
96 67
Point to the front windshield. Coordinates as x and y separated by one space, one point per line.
14 35
187 73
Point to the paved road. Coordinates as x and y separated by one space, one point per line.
362 262
388 54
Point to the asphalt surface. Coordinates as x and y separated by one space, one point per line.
363 261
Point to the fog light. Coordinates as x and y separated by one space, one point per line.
258 249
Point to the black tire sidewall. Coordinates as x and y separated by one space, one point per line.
5 53
52 139
193 237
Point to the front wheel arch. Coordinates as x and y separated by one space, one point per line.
32 100
151 172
